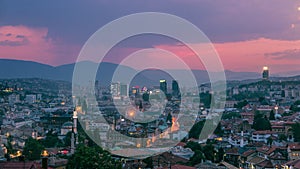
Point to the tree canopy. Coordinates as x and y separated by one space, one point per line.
32 149
196 130
261 122
272 115
52 140
92 157
296 133
295 107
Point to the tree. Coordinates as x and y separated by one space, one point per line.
197 158
92 157
221 153
146 97
282 93
149 162
9 146
52 140
270 141
231 115
206 98
169 117
32 149
219 130
193 146
272 115
241 104
296 133
67 139
209 152
2 113
295 107
282 137
261 122
196 130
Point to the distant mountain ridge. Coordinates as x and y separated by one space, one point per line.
28 69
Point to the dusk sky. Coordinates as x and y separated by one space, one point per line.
247 34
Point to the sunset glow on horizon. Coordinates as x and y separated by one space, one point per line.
242 44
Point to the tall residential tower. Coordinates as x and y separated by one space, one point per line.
265 73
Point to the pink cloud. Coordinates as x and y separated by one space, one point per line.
247 55
251 55
27 43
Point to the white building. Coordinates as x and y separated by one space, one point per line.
262 136
65 128
30 98
13 98
39 97
119 90
115 89
185 153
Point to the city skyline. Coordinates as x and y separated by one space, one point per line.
150 84
265 33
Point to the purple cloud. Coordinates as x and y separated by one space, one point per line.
293 54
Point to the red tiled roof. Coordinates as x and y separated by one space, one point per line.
267 150
256 160
277 156
247 114
229 166
294 163
168 157
19 165
248 153
256 144
278 127
182 144
265 164
233 151
289 123
294 146
177 166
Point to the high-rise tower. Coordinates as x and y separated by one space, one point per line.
175 88
163 85
265 73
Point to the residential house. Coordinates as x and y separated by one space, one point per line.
294 151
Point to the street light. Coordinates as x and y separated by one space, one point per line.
45 155
276 107
131 113
19 153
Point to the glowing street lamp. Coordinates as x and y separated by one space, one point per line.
45 153
276 109
19 153
131 113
